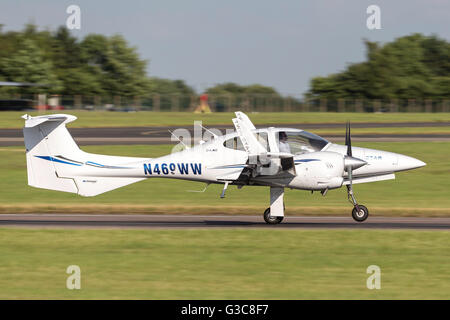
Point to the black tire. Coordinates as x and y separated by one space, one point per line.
362 215
271 220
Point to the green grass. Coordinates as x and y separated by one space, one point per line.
223 264
121 119
418 192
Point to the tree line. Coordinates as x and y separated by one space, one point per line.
414 66
95 65
410 67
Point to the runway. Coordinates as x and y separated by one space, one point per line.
161 135
205 221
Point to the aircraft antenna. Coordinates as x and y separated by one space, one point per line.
214 135
181 141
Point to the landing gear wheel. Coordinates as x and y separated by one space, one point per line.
361 215
271 220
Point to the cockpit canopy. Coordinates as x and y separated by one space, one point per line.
300 142
292 141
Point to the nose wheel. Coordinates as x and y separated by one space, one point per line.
270 219
359 213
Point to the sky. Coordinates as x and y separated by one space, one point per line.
282 43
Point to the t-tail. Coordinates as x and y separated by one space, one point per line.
55 162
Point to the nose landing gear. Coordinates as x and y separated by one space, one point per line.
359 213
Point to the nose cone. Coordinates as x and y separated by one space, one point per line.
408 163
353 162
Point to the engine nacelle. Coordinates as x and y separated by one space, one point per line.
318 171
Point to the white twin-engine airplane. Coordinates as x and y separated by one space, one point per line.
278 158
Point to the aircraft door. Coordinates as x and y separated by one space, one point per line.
270 166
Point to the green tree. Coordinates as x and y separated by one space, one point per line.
96 65
116 65
170 91
255 96
28 65
233 88
414 66
167 86
226 88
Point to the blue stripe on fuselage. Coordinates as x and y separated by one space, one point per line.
57 160
306 160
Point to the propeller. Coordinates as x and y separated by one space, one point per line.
348 139
351 163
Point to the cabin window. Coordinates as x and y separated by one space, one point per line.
234 143
263 139
300 142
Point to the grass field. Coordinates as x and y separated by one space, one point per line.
223 264
421 192
122 119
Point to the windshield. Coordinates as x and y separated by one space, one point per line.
299 142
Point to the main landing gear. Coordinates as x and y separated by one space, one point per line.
270 219
275 213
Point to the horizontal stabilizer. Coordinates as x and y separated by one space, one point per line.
35 121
